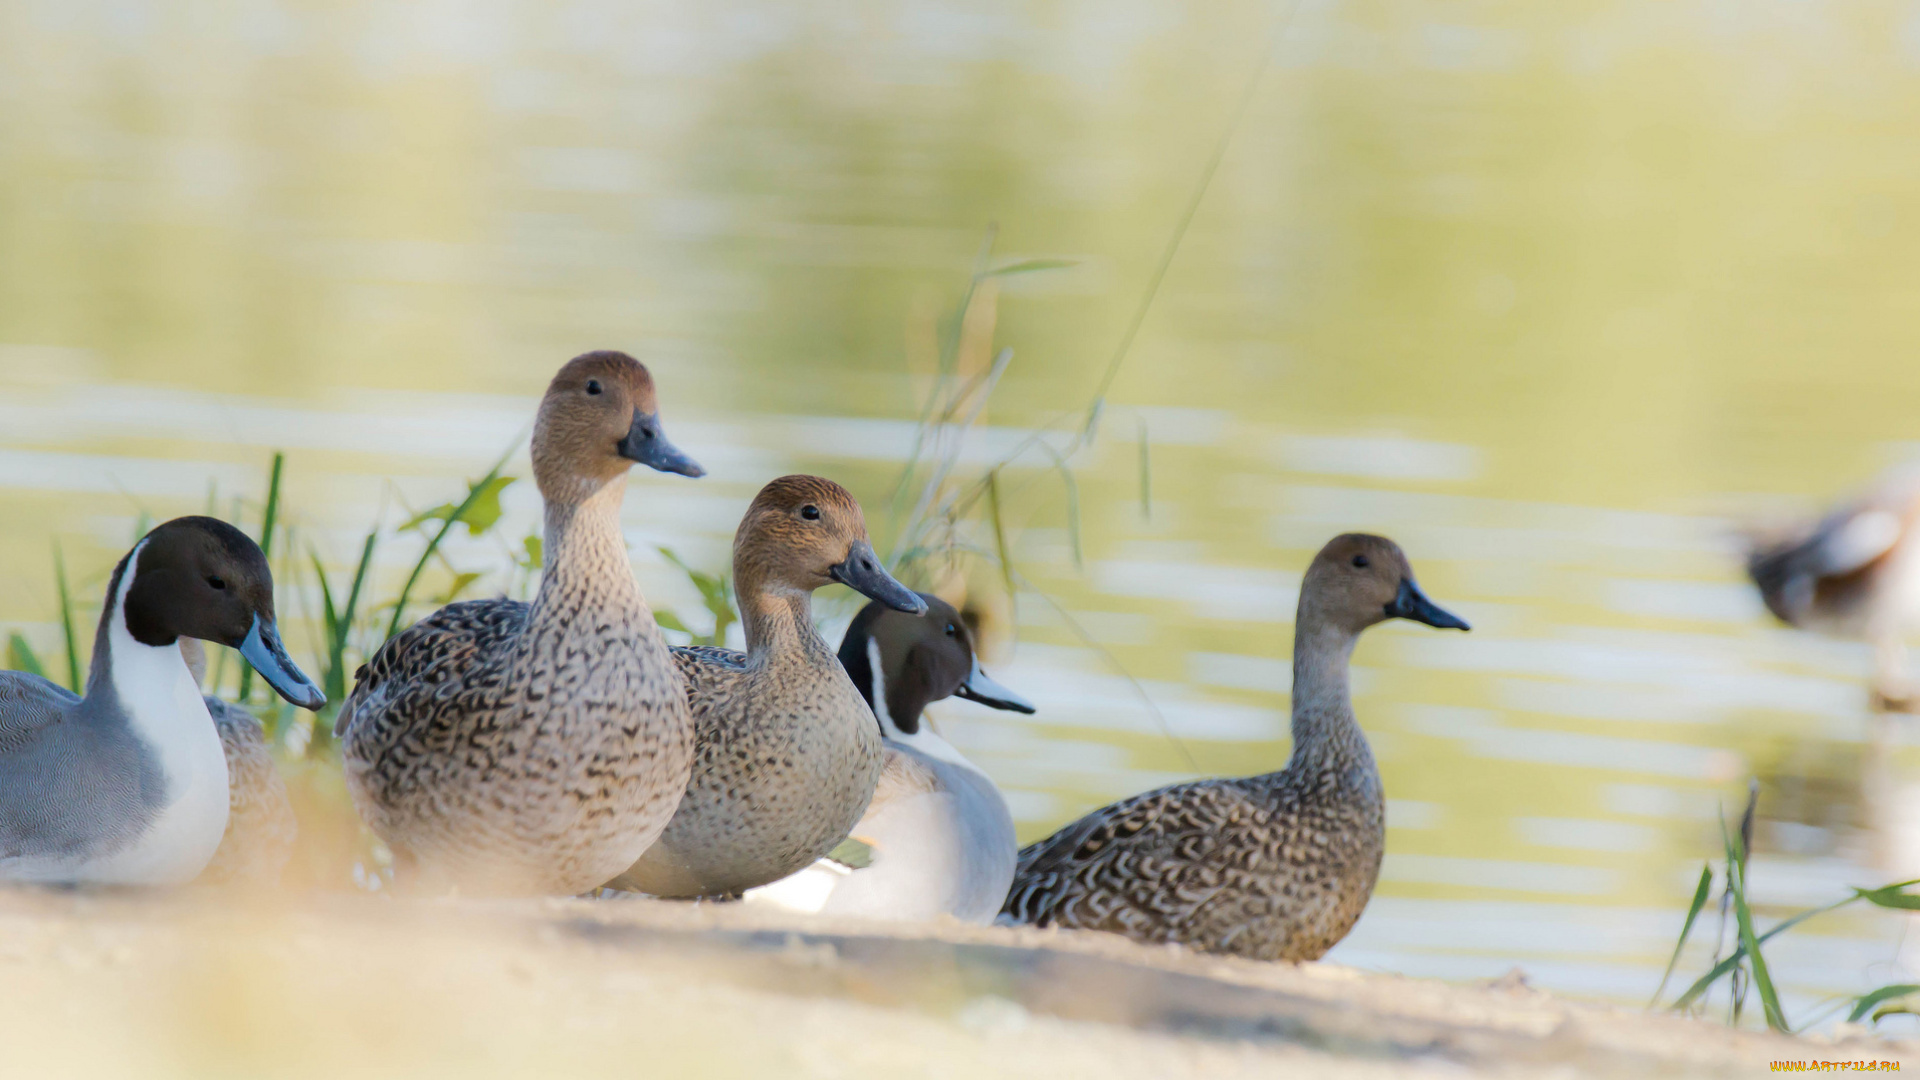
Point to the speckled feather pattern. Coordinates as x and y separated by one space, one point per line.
1273 867
787 756
504 747
261 828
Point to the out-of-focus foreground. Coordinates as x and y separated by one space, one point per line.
300 989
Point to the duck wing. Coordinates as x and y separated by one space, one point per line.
434 659
709 670
29 704
1141 861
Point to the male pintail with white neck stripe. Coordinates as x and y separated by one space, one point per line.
1855 573
128 785
1271 867
937 839
787 754
507 748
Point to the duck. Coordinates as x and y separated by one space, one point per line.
1853 574
787 753
261 827
1271 867
511 749
937 839
127 784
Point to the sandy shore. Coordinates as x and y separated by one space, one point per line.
197 985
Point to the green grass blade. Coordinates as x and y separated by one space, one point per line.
332 678
1891 896
1721 969
1002 554
1743 917
21 657
475 493
267 522
1865 1003
1700 895
1180 230
66 621
1028 266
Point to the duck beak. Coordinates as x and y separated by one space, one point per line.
263 650
991 694
647 444
861 571
1413 604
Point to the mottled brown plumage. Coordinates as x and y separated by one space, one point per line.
1273 867
261 829
787 752
510 748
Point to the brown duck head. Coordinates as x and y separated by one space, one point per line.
599 417
1359 580
803 532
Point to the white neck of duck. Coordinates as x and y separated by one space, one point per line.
1325 733
926 740
160 701
586 560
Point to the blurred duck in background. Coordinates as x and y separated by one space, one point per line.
511 748
937 839
1272 867
128 784
1854 574
787 754
261 828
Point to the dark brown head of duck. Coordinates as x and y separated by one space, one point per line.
600 416
902 662
200 577
803 532
1359 580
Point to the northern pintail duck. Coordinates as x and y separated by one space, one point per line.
1273 867
937 839
261 827
508 748
1853 573
128 785
787 753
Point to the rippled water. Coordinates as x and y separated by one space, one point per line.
1560 299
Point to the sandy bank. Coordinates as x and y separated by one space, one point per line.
197 986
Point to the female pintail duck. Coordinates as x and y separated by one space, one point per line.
937 839
261 828
128 785
786 750
1854 573
1273 867
507 748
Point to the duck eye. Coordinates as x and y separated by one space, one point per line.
1360 561
217 582
951 630
810 512
593 387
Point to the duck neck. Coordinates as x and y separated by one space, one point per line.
1325 733
778 619
586 559
156 692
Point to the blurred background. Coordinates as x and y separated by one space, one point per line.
1562 297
